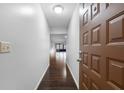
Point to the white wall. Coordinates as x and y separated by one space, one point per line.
58 30
28 34
73 45
58 38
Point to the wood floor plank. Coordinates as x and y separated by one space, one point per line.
58 76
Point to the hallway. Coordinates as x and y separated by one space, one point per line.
62 46
58 76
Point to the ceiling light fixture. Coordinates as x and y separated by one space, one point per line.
58 9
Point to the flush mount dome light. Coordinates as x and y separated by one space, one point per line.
58 9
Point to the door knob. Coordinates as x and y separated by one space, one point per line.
79 60
80 52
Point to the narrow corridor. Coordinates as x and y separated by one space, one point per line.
58 75
62 46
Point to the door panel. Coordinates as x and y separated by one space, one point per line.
102 46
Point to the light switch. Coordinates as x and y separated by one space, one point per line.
4 47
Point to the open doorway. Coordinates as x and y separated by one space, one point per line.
60 51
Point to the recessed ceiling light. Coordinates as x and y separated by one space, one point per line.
58 9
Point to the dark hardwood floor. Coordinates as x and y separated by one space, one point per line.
58 76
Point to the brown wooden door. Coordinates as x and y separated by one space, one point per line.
102 46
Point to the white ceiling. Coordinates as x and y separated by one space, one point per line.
58 23
58 20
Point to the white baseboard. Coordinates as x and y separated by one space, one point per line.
73 76
41 78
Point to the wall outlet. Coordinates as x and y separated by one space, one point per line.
4 47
